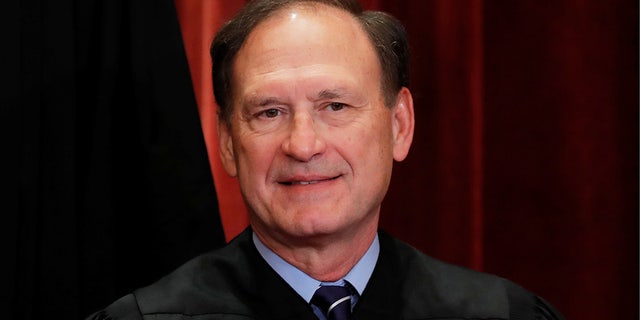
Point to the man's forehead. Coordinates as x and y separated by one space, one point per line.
301 33
308 9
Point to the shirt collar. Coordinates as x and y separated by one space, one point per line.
305 285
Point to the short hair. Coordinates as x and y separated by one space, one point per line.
385 32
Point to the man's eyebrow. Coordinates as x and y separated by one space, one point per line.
328 94
263 101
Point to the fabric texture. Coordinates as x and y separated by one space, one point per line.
236 283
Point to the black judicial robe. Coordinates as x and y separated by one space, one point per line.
235 283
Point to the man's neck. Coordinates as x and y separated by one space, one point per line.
306 286
324 258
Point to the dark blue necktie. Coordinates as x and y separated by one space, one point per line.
334 301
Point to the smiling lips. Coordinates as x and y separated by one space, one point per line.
303 182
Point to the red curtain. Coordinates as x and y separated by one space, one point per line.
199 20
525 159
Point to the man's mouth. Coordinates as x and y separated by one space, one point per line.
306 182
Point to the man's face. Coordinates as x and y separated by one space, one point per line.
310 139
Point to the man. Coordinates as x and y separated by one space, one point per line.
314 109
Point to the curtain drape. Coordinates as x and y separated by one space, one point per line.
199 22
108 182
525 159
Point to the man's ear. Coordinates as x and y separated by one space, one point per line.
403 124
225 146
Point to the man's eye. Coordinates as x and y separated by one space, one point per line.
271 113
336 106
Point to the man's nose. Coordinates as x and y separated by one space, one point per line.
303 141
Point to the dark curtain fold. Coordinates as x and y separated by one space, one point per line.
110 186
562 152
558 162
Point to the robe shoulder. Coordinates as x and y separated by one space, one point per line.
433 289
125 308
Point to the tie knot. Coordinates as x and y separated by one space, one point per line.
334 301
